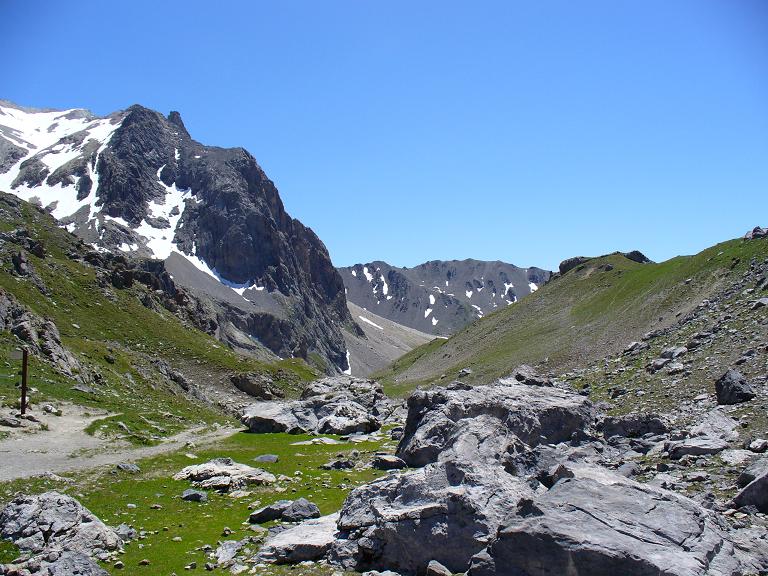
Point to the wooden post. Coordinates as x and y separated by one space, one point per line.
24 361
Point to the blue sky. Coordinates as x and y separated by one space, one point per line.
407 131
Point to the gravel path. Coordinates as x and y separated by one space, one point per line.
66 447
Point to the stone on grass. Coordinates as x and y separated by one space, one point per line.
190 495
697 446
223 474
273 511
301 509
267 458
304 542
733 388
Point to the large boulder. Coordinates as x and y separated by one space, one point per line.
480 423
224 474
756 492
260 386
445 512
604 526
733 388
307 541
334 405
54 521
634 425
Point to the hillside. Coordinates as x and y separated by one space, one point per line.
439 297
382 342
591 312
114 336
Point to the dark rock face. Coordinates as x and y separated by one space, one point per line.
733 388
439 297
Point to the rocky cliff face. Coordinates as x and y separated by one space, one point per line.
439 297
136 182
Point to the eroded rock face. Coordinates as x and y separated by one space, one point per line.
583 526
481 422
335 405
444 511
224 474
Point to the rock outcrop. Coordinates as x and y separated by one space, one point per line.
444 511
224 474
485 422
335 405
586 527
60 535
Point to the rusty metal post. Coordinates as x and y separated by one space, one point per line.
24 362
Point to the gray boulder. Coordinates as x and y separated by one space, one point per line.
335 405
301 509
445 512
224 474
387 462
259 386
308 541
755 493
733 388
190 495
55 563
755 470
54 521
273 511
527 375
481 423
434 568
697 446
605 527
633 425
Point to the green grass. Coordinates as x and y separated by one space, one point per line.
587 314
107 494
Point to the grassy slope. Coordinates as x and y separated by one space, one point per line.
587 314
94 328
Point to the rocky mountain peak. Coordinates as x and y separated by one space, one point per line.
135 182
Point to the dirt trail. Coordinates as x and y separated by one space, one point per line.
65 446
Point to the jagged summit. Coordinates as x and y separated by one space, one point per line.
136 182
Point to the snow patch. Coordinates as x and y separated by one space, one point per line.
427 312
368 275
435 321
532 286
371 323
432 299
348 371
468 293
354 273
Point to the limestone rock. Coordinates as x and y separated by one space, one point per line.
482 422
445 512
309 540
224 474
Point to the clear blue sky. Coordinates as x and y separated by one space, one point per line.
407 131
